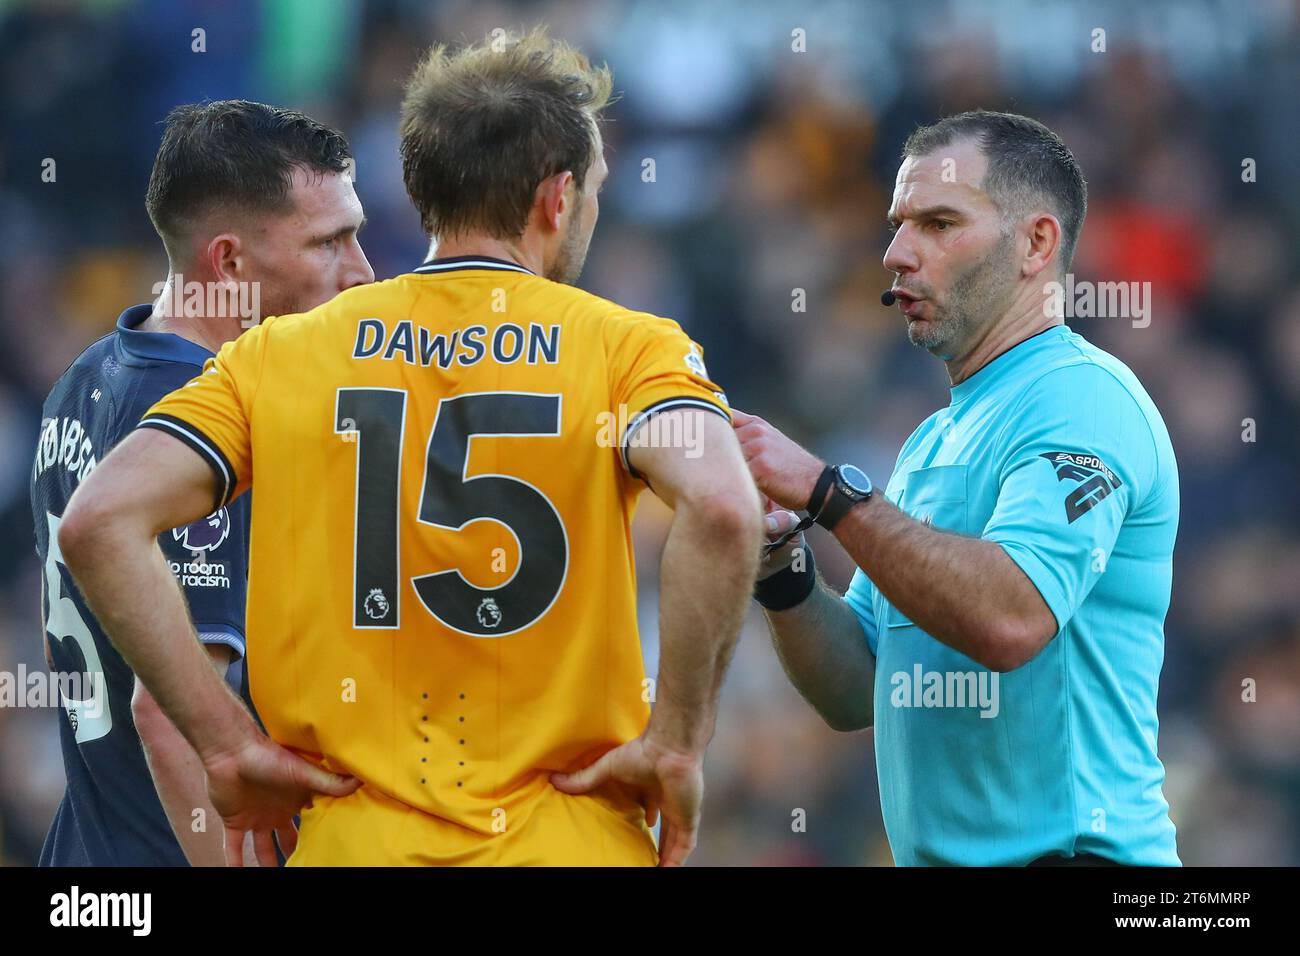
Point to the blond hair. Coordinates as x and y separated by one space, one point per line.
484 125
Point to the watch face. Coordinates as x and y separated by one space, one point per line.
856 479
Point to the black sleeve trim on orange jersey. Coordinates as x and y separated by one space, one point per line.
663 405
206 448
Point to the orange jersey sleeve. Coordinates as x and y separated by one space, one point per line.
655 366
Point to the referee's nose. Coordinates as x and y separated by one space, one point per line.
900 257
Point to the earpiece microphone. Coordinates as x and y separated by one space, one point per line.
888 298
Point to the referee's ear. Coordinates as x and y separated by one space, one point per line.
1043 232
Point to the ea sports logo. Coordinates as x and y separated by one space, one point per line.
489 615
376 604
206 534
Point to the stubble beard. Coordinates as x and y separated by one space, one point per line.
972 295
572 256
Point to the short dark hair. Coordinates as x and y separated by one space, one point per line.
1027 163
482 127
236 152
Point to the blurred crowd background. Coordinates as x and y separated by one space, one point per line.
773 171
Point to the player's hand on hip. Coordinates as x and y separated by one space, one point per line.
260 788
783 470
668 783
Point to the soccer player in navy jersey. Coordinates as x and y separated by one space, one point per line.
257 212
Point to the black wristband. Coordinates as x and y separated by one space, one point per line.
787 587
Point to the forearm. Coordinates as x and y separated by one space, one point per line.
706 576
125 580
182 789
963 591
179 777
825 654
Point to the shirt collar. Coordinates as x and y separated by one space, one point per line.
160 346
454 263
1008 360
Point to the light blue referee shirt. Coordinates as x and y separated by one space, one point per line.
1056 452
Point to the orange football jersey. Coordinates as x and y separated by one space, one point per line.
442 591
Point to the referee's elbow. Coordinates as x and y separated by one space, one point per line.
1010 643
1001 661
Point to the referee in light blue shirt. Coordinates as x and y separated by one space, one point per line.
1004 632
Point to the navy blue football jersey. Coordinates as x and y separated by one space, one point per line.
111 814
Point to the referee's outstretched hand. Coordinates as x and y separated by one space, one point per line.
783 470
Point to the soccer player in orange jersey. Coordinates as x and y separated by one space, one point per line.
444 468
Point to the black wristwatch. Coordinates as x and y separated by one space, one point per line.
849 486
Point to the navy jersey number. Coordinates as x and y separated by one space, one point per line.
84 692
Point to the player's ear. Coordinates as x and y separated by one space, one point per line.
554 198
224 257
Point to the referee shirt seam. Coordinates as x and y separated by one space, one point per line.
1025 392
1069 748
1155 449
1089 361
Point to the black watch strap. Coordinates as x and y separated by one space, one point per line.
837 506
818 500
840 500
